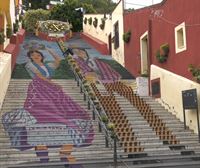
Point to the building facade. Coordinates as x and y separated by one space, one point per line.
163 30
108 37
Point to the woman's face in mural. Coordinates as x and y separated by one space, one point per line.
36 57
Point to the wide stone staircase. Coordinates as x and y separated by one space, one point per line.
37 156
148 135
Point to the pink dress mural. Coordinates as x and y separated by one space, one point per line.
50 117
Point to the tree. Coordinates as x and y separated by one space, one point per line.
101 6
36 4
32 16
68 12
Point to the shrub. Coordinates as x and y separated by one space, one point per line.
31 17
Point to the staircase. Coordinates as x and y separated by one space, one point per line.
12 157
157 132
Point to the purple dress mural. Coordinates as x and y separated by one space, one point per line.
50 117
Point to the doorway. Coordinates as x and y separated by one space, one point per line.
144 53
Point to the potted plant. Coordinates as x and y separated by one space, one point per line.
104 119
2 39
8 31
95 22
85 20
162 53
15 26
90 21
102 25
195 72
127 36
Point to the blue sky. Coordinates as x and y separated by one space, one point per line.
138 3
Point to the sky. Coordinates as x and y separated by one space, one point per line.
136 4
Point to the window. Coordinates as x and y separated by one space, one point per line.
116 32
180 38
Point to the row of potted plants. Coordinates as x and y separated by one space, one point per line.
110 126
95 22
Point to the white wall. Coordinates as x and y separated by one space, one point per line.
98 32
12 11
5 74
172 86
117 15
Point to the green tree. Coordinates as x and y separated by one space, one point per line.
101 6
68 12
32 16
36 4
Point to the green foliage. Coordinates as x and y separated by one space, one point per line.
127 36
32 17
195 72
102 25
36 4
85 20
15 26
2 37
8 31
162 53
68 12
95 22
104 119
101 6
90 21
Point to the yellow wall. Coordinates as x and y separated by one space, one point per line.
172 86
5 8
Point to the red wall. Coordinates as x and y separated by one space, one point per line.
137 22
162 31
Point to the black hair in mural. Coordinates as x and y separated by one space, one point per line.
29 54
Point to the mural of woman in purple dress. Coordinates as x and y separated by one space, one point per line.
49 117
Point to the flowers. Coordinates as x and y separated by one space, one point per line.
51 26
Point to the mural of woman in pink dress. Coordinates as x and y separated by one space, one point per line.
49 117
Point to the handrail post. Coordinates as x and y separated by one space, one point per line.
106 141
93 114
115 152
100 130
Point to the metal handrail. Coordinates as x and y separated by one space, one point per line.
80 84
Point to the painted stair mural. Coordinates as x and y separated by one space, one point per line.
60 102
